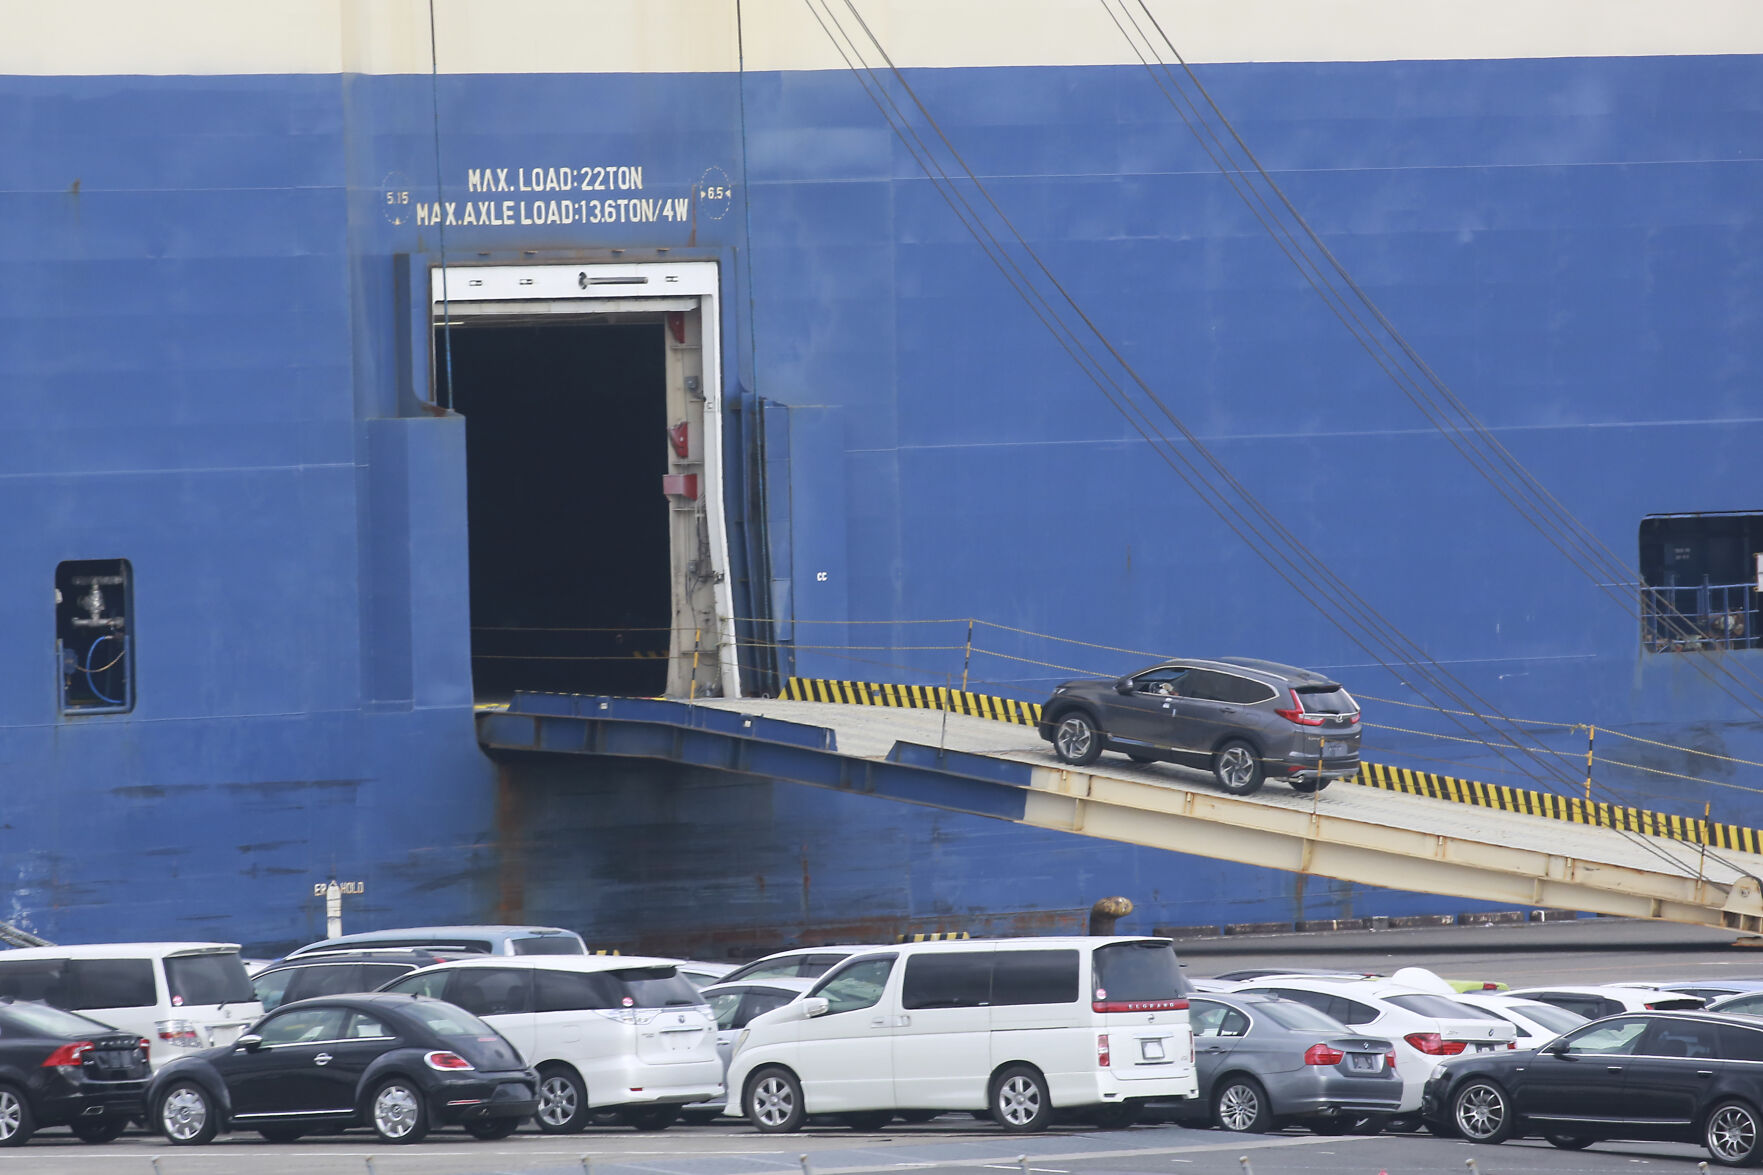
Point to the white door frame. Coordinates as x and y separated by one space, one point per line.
557 288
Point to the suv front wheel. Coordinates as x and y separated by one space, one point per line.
1076 739
1237 768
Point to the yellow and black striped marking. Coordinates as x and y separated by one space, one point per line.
934 936
1398 779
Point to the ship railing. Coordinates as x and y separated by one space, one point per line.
1684 618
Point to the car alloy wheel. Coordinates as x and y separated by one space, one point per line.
1731 1135
1076 740
185 1116
397 1113
560 1103
15 1118
774 1102
1237 769
1480 1112
1241 1105
1019 1101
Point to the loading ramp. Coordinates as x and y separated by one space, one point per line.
967 764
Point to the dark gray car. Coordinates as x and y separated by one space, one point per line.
1264 1061
1244 720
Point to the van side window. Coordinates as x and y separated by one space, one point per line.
856 986
328 979
574 991
491 991
1034 977
426 983
956 980
38 980
114 983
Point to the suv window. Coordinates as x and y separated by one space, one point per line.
1135 972
656 987
491 991
859 985
425 983
118 983
1679 1038
1164 679
1034 977
208 979
574 991
1740 1044
1206 685
330 979
1326 699
957 980
554 944
271 985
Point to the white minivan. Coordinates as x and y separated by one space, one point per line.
180 996
1015 1027
604 1031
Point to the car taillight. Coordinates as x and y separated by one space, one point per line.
1321 1054
1389 1060
181 1033
1102 1050
1433 1045
146 1047
68 1056
1297 713
446 1061
1511 1044
629 1015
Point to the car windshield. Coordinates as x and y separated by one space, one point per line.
196 980
554 944
1326 699
1440 1007
1138 971
18 1018
657 987
1298 1017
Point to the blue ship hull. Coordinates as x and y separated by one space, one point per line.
200 340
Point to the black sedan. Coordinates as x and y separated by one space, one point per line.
61 1069
1666 1076
398 1063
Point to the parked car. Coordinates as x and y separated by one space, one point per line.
182 996
1595 1001
803 962
1708 989
1264 1061
1243 720
1741 1005
398 1064
703 974
734 1005
339 973
1425 1026
622 1032
1015 1027
1537 1023
1671 1076
62 1069
482 940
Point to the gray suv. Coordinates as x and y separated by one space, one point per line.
1242 719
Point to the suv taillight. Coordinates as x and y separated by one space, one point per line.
181 1033
1297 713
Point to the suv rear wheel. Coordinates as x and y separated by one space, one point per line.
1237 768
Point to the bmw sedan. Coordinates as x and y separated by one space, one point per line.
61 1069
1663 1076
399 1064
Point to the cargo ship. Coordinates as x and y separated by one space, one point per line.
368 361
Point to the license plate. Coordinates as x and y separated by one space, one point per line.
1151 1050
1369 1062
1484 1048
1335 747
219 1034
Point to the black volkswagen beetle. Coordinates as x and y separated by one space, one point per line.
400 1064
61 1069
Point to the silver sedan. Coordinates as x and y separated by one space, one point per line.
1265 1061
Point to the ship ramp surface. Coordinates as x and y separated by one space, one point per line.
967 764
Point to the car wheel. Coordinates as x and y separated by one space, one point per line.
16 1123
651 1117
397 1113
1731 1135
1237 768
867 1121
490 1129
1020 1102
186 1115
1241 1105
563 1103
1569 1142
106 1128
774 1102
1481 1112
1076 739
282 1133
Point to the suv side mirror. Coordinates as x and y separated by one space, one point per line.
1123 685
250 1042
814 1006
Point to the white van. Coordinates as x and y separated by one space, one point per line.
1016 1027
180 996
632 1034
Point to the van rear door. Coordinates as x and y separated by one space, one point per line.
1140 997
